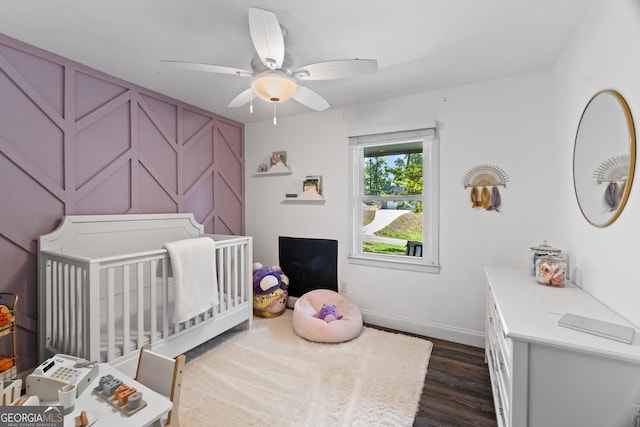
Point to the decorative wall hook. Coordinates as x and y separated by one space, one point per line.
613 169
485 176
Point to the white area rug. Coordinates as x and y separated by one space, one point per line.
270 376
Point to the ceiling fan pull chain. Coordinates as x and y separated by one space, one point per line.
275 122
251 104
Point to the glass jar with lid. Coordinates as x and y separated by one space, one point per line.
542 250
551 270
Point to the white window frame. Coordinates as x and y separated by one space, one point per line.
430 260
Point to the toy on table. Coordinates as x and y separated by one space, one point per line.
82 420
122 396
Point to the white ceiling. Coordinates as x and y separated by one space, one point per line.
419 44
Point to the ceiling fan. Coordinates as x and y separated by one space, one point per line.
275 77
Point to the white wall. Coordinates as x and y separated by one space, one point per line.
604 53
526 125
506 123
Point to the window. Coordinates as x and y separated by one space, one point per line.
395 200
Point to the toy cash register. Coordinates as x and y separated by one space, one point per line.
58 371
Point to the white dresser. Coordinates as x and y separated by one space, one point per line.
544 375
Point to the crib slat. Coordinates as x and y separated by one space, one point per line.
61 331
234 272
65 308
126 308
221 279
231 301
80 276
111 339
153 312
241 271
165 298
45 300
54 303
229 281
93 312
140 288
60 302
72 309
248 281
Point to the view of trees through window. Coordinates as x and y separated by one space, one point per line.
392 209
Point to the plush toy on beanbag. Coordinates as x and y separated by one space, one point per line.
308 325
329 313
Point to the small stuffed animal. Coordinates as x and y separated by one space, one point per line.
265 280
329 313
268 279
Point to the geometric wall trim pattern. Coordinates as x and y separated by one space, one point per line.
74 140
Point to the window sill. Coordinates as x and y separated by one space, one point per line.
395 264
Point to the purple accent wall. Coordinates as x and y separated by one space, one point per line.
75 141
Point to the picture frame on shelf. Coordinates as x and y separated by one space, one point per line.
296 194
312 183
278 163
279 157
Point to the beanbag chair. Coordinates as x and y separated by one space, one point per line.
307 324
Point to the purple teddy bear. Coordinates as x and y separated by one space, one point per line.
329 313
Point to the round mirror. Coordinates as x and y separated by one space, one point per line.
604 158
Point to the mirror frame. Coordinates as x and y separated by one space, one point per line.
632 157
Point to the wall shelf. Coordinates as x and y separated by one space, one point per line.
300 201
278 169
276 173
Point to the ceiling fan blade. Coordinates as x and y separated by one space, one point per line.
338 69
241 99
306 96
209 68
267 37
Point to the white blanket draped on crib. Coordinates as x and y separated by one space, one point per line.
194 275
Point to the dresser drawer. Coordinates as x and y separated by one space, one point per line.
499 383
499 351
496 331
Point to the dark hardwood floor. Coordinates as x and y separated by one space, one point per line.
457 387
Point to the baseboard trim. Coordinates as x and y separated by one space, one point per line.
458 335
291 301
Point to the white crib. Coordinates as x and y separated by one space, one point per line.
105 288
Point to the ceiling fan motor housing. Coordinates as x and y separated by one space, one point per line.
259 67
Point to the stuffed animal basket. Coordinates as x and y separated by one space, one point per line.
272 304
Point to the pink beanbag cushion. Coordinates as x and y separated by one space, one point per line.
307 325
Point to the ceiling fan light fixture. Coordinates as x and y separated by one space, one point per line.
274 88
